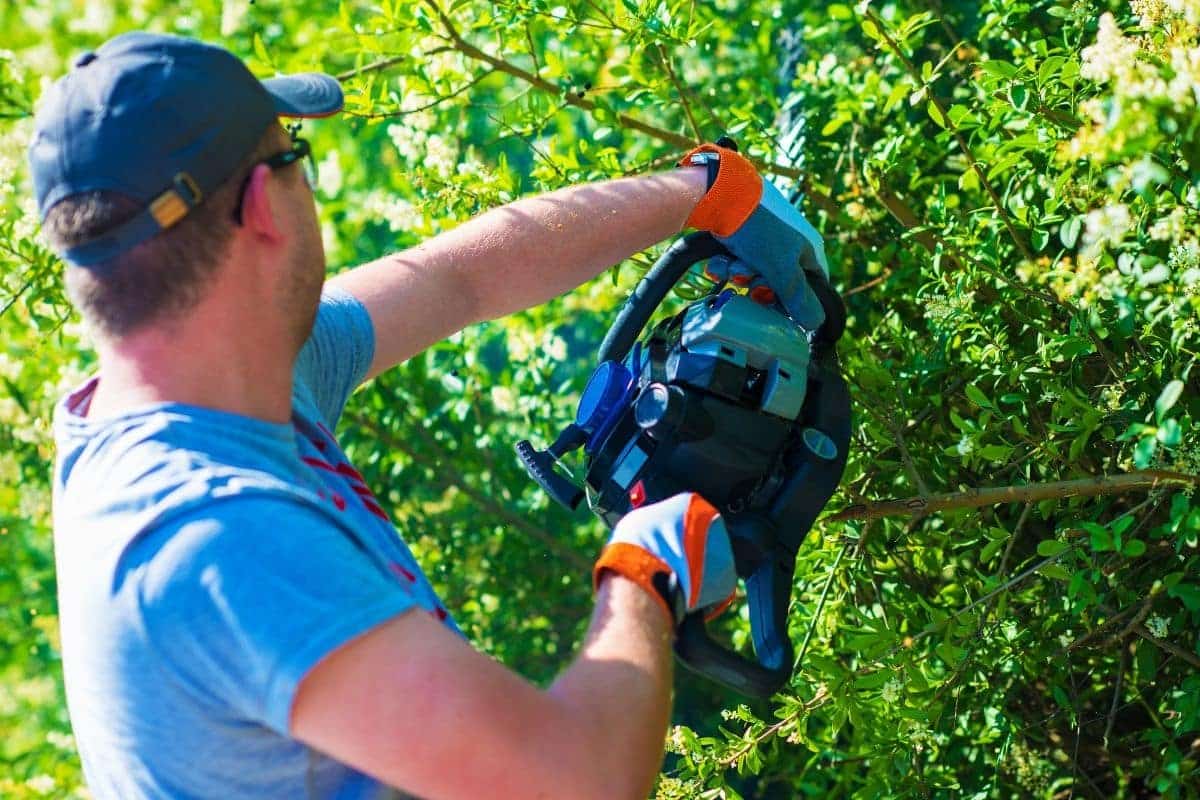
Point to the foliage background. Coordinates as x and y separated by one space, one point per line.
1009 194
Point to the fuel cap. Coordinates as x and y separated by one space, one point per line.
604 393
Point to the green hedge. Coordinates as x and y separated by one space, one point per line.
1009 192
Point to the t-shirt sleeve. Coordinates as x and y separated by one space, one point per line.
338 353
244 600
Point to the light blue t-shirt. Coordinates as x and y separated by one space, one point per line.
206 561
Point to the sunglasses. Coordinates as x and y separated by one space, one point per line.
301 151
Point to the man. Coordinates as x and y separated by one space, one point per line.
239 617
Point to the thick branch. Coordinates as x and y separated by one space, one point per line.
1029 493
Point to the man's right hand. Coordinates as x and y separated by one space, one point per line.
677 550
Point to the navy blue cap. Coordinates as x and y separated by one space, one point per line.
162 119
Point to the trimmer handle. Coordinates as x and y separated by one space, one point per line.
768 591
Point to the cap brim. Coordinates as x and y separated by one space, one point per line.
307 94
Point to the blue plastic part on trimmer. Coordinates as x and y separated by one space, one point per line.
603 400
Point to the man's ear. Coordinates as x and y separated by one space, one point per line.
258 207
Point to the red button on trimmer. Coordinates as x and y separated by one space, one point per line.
637 494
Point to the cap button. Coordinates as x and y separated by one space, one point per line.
85 59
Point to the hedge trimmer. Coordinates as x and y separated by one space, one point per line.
729 398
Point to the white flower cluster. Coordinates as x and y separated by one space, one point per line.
1111 56
1188 9
890 693
419 147
63 741
1105 226
399 214
1158 627
41 784
1185 83
1171 227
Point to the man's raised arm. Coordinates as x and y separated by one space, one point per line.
514 257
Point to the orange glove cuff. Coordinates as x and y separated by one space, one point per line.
638 565
731 199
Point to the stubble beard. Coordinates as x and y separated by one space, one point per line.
303 293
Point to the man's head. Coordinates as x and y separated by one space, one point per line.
146 159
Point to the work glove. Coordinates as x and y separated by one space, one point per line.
761 228
677 550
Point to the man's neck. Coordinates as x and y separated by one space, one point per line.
211 363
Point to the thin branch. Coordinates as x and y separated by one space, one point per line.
819 698
820 605
1028 493
1163 644
1012 540
871 284
950 126
683 100
404 112
374 66
1112 711
537 67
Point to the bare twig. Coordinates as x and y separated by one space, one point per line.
1112 711
374 66
437 101
871 284
537 67
1028 493
1012 539
683 99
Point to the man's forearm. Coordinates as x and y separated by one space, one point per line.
515 257
537 248
621 685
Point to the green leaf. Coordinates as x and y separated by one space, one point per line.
991 550
996 452
1101 538
1055 571
1133 548
260 50
1167 398
998 68
1049 68
1186 593
1143 453
1019 96
976 396
1169 433
935 114
1052 547
1068 232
